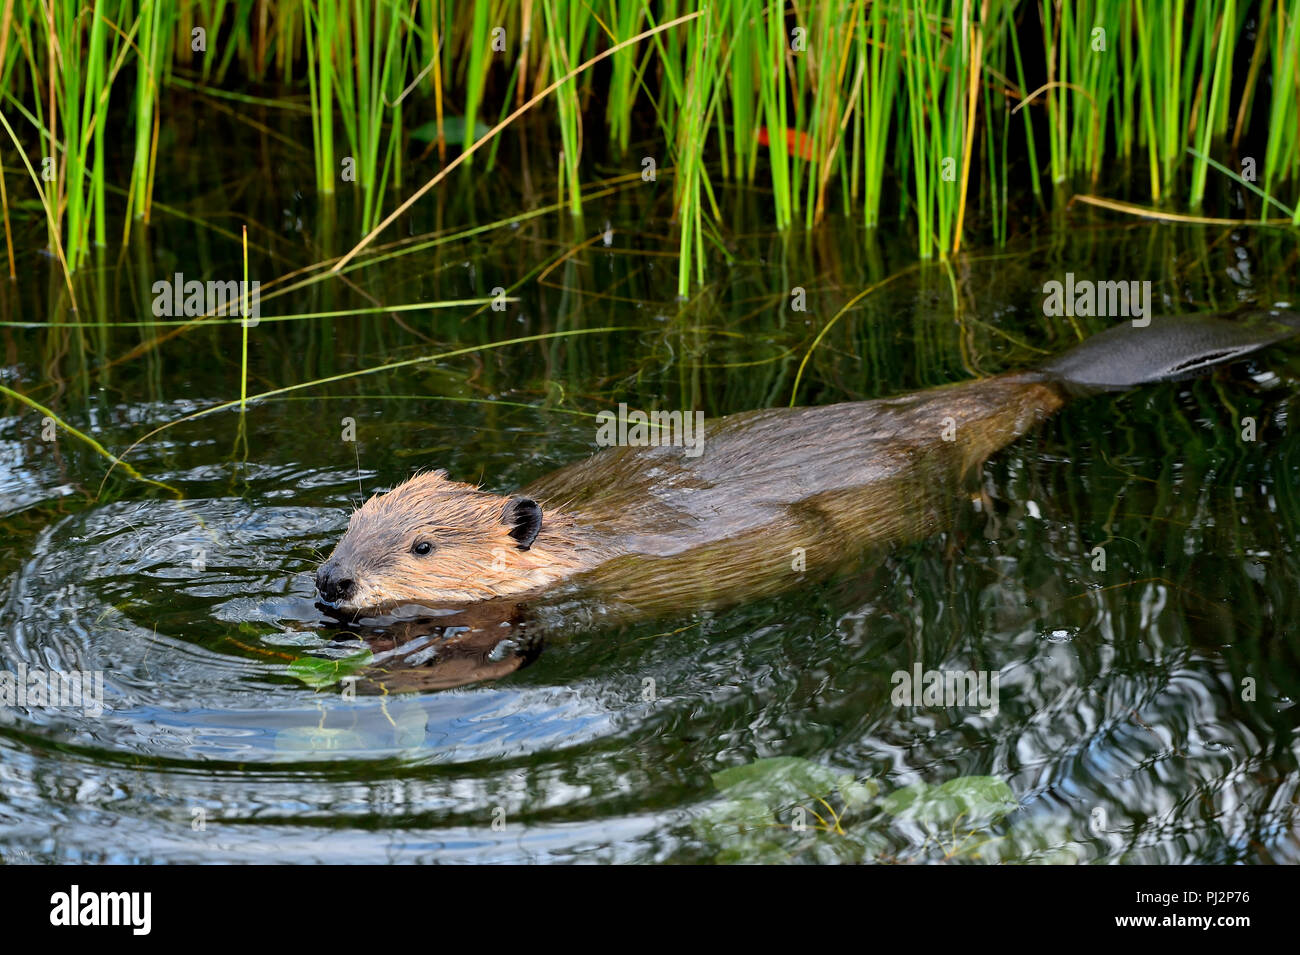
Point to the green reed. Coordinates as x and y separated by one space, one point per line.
1282 154
70 113
623 20
566 28
361 59
935 71
320 22
1211 105
879 108
153 42
476 68
879 48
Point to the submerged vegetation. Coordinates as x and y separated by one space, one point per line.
942 113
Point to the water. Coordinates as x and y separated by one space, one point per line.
1145 709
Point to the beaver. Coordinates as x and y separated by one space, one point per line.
779 496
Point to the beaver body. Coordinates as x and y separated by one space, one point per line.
783 494
776 497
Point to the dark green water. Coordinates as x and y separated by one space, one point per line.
1146 710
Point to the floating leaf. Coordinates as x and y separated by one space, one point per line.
320 672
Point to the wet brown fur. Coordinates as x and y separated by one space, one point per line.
651 528
474 558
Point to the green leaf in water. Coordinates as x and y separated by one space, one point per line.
857 794
755 822
976 800
320 672
776 782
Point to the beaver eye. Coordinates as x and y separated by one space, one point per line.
422 549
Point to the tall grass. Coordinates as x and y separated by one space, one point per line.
1282 153
875 108
359 59
566 29
153 44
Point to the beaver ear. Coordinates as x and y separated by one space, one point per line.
524 515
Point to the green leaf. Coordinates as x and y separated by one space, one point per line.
752 824
776 782
901 800
320 672
735 815
857 794
977 800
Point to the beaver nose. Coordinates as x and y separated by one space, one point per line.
334 584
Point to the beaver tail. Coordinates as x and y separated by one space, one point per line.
1169 348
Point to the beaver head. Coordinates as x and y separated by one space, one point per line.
432 540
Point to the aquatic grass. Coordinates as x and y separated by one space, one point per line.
1030 149
934 68
1281 153
244 326
321 21
320 272
834 99
81 116
773 100
879 47
899 105
1147 212
85 439
214 67
1241 181
1217 46
153 43
692 97
331 379
372 41
566 29
357 60
476 63
515 114
623 20
295 317
4 210
50 216
77 184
